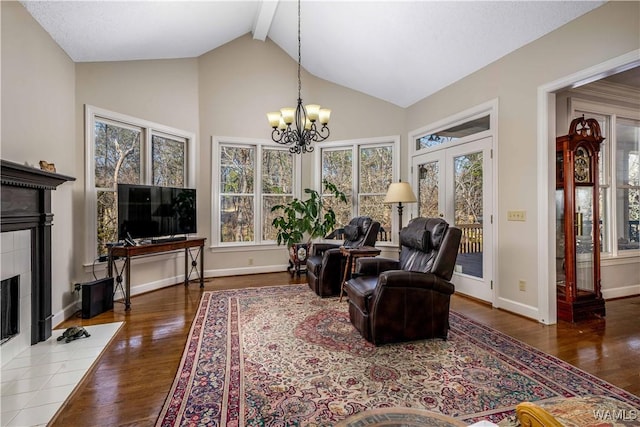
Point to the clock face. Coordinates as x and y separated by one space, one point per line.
581 165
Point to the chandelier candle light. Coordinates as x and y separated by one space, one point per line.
297 126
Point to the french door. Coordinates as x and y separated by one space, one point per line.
456 184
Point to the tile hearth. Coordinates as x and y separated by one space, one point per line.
36 382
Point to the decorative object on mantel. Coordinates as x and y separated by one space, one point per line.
303 118
46 166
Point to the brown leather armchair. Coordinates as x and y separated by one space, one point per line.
324 266
407 299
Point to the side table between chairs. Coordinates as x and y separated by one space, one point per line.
351 254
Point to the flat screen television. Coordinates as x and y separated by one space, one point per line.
148 212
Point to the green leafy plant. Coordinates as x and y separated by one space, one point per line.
310 217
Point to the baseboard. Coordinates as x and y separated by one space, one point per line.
626 291
518 308
73 308
66 313
246 270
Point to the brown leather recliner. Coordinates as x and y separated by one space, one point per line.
407 299
324 266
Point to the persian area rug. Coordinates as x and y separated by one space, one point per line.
280 356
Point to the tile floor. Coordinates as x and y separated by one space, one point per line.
36 383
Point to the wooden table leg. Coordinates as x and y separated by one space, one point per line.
127 291
202 266
187 255
347 267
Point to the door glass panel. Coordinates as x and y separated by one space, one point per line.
468 200
428 196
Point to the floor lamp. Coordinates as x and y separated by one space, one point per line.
400 192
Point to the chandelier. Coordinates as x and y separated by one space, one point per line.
297 126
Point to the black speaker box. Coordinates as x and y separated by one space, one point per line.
97 297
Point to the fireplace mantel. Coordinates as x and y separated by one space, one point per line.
26 205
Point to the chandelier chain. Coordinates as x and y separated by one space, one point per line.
299 56
298 128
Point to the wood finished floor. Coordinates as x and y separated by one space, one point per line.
130 382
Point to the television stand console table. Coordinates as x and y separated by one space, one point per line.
128 252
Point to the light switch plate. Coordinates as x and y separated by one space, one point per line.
516 215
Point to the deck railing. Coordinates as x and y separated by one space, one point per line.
471 240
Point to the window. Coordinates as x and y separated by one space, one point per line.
453 133
127 150
627 170
337 168
619 175
253 176
168 160
363 170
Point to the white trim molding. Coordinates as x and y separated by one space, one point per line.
546 133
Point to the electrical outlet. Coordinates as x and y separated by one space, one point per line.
522 285
516 215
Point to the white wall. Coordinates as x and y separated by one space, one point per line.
607 32
621 274
38 123
243 80
226 93
160 91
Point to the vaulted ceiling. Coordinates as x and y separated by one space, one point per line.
398 51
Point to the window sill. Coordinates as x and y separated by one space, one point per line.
621 258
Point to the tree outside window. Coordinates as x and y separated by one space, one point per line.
628 184
619 170
277 186
121 148
337 167
168 161
373 175
117 160
254 177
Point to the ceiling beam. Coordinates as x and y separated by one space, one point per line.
264 17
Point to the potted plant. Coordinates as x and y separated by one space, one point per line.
301 219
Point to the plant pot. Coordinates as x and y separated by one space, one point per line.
298 254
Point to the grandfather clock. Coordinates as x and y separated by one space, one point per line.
578 222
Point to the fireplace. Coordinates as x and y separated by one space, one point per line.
25 210
9 308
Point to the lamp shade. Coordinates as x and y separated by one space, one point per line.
400 192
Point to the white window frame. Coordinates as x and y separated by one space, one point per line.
355 145
610 168
149 129
259 145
